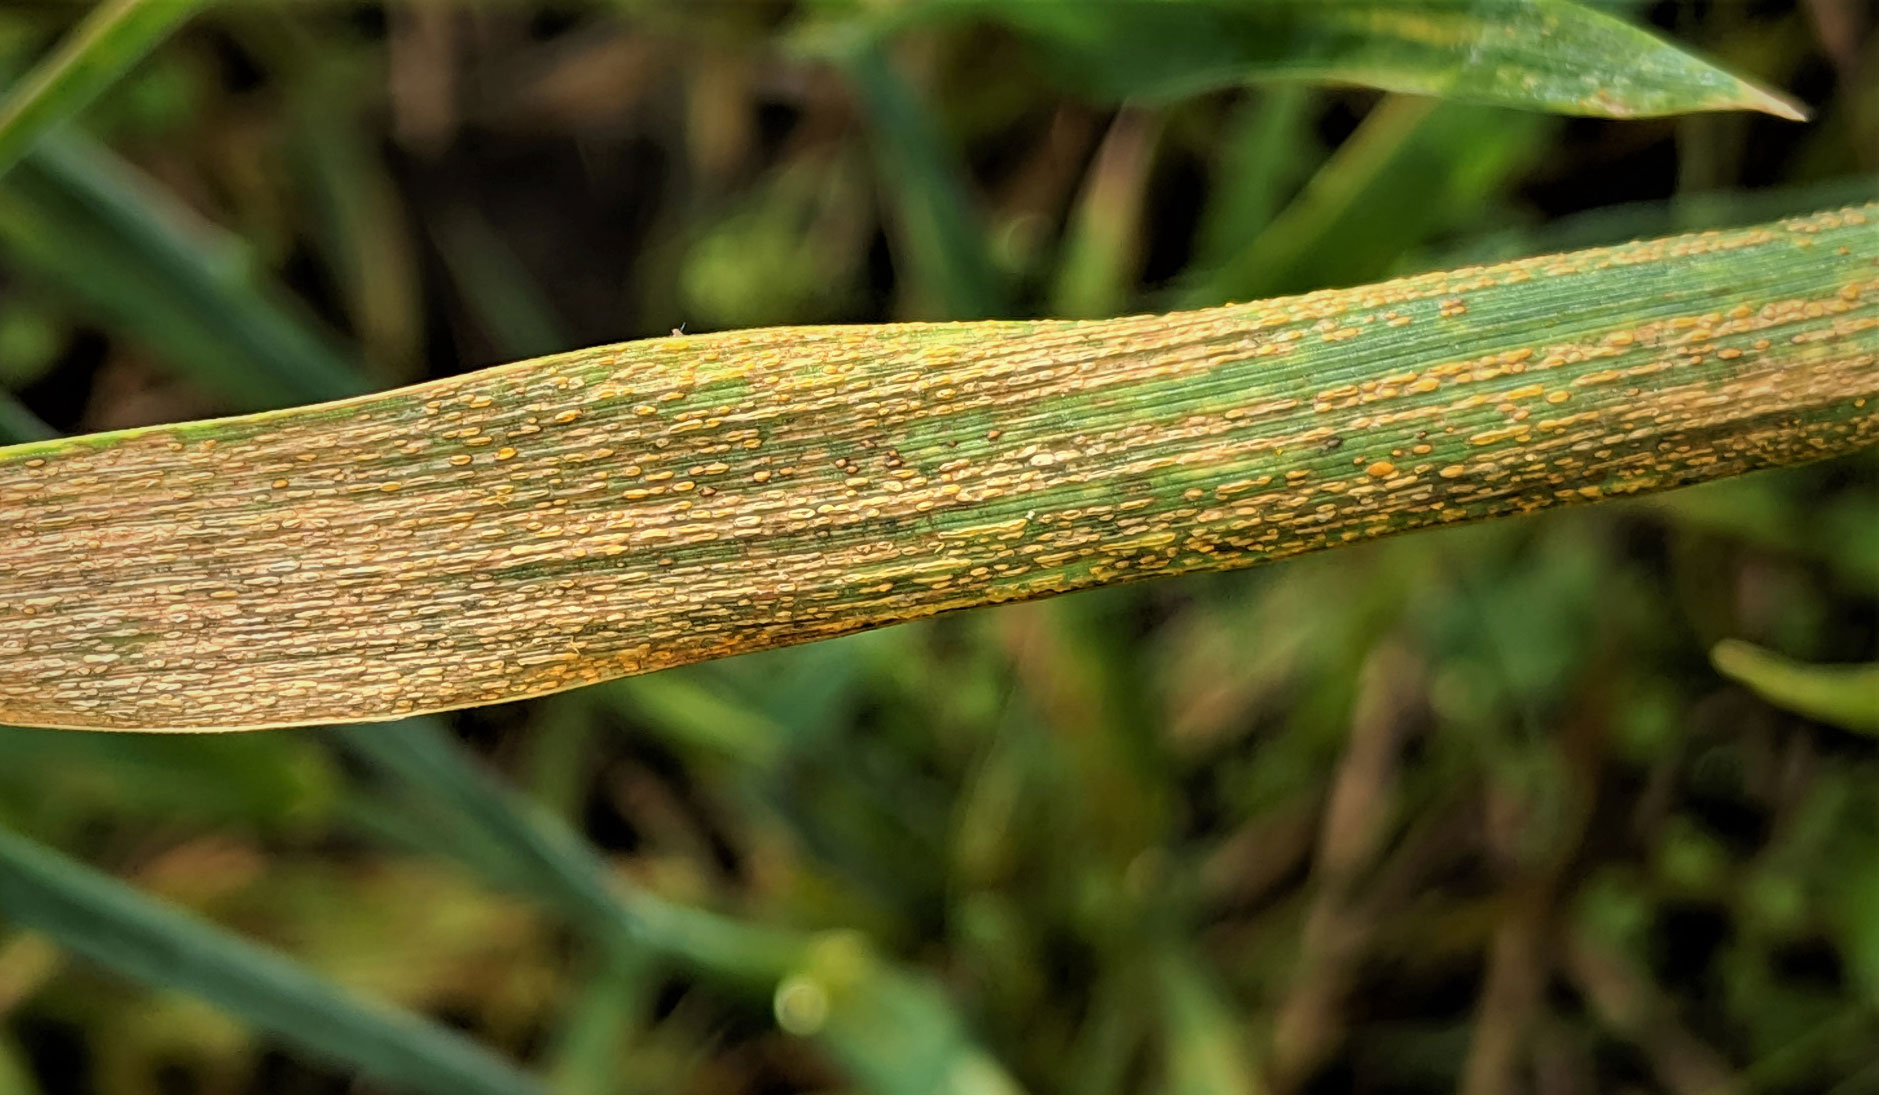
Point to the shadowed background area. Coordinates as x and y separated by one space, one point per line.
1470 810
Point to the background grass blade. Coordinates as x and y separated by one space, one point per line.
540 857
83 222
486 273
1614 224
1846 696
895 1032
19 424
939 233
551 520
110 39
587 1056
544 859
1102 250
1385 185
363 231
1552 55
1266 151
277 785
113 925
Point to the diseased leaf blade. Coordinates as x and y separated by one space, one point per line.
558 522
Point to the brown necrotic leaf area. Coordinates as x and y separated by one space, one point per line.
571 519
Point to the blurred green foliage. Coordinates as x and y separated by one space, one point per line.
1470 810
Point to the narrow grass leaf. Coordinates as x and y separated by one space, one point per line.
1103 247
78 220
19 424
1208 1051
104 45
587 1057
493 283
895 1032
113 925
1391 186
547 860
362 228
941 241
1846 696
557 768
1552 55
690 712
1267 149
16 1078
280 782
558 522
1112 1033
541 856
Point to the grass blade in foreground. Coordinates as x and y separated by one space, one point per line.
118 928
110 40
617 510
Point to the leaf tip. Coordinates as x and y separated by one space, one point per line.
1758 98
1730 656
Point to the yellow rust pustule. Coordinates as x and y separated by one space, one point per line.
561 521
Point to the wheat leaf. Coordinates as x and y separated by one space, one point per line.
570 519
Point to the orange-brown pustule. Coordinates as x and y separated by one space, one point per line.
617 510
